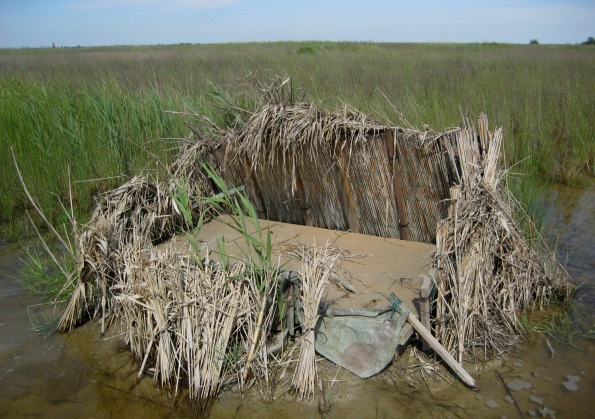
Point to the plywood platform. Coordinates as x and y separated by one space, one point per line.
374 266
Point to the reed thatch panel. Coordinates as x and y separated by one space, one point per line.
441 169
371 182
425 185
274 184
293 155
331 170
187 167
321 181
235 174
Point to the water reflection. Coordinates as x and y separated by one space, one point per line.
569 226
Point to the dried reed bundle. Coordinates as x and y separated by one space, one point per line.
487 271
139 208
203 323
180 317
256 326
208 321
142 206
188 166
93 273
294 132
296 251
317 265
74 311
139 211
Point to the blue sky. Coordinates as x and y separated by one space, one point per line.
33 23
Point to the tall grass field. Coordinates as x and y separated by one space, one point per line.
94 116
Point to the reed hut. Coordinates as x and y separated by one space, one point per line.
186 322
344 171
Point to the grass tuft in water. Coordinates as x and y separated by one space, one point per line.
42 324
565 323
40 275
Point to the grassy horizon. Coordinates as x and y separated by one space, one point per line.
98 112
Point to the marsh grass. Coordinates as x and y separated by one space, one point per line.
41 276
244 220
100 134
99 111
566 323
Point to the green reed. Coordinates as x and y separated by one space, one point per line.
98 113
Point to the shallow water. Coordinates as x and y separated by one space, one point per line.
570 229
50 375
81 374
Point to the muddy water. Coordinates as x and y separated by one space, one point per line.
83 375
49 375
570 228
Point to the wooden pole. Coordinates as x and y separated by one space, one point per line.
425 291
433 342
347 194
397 185
255 192
300 196
441 350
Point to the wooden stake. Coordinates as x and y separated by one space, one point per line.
397 185
346 193
299 194
255 192
441 350
435 345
